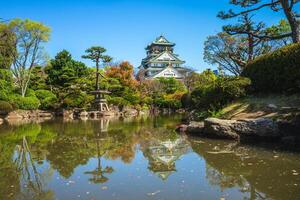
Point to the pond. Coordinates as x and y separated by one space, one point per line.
134 159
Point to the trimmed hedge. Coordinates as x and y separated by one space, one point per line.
215 95
27 103
5 107
276 72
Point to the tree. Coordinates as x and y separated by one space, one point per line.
288 7
69 80
171 85
29 38
95 54
234 48
38 78
6 84
7 46
63 70
122 84
228 52
278 29
124 73
248 29
7 51
239 44
194 79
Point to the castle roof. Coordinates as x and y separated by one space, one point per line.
166 56
161 40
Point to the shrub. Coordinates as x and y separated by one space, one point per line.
215 95
165 102
47 98
5 107
30 93
276 72
186 100
26 103
74 101
118 101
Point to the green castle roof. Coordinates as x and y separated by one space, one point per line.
161 40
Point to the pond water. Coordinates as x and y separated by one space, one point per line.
135 159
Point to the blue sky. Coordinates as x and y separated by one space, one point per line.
125 27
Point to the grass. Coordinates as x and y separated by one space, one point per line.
272 106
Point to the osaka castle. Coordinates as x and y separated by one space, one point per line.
161 61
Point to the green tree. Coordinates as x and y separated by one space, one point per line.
278 29
7 46
38 79
29 38
251 6
239 44
63 70
226 51
69 80
247 28
195 79
6 84
95 54
171 85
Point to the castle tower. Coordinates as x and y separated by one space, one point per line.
161 61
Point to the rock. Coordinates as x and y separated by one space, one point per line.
129 112
261 127
195 128
144 112
182 128
114 108
181 111
235 129
14 115
220 128
83 114
107 114
68 114
44 114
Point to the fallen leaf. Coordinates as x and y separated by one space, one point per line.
104 188
153 193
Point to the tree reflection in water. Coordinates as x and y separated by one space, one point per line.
30 177
101 139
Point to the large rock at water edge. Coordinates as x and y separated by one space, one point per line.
195 128
235 129
220 128
261 127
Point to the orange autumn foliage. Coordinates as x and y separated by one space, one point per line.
124 73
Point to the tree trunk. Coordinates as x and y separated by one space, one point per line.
292 19
97 78
250 47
